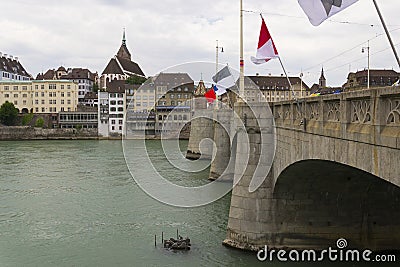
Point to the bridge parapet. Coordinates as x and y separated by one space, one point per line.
367 116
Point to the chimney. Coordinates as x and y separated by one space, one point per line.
5 55
1 54
11 57
257 74
16 59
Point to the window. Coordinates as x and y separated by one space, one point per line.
6 88
69 102
42 94
172 96
36 109
113 122
42 87
52 86
15 95
62 87
6 95
36 102
68 87
62 102
37 88
62 94
24 88
121 122
15 88
43 102
15 102
68 94
24 95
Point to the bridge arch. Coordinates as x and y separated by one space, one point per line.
318 202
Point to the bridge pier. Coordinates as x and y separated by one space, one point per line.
222 167
201 135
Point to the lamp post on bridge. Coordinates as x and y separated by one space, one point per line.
368 51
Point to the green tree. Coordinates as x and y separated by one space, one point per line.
135 80
96 88
39 123
27 119
8 113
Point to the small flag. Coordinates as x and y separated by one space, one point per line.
210 95
219 90
318 11
266 48
222 74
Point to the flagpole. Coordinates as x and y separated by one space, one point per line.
387 32
287 77
241 81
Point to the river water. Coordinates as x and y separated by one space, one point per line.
74 203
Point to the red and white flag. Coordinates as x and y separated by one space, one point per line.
319 10
266 48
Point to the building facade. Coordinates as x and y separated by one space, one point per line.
277 88
12 70
40 96
83 77
378 78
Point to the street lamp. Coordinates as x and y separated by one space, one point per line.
363 51
217 52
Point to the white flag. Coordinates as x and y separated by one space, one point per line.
319 10
266 49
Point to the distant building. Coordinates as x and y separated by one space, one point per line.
83 77
277 88
12 70
378 78
52 96
145 96
120 67
111 108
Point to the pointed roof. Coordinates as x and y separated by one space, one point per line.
322 74
123 51
130 66
113 68
201 89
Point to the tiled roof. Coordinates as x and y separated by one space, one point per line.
376 73
172 80
276 81
116 86
49 75
130 66
79 73
12 66
113 68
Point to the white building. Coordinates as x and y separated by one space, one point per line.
112 108
12 70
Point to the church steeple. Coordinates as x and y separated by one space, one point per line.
322 79
123 50
124 39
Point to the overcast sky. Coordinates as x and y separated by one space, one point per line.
87 33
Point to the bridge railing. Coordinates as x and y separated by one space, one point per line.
368 116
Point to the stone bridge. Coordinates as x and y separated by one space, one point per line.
335 174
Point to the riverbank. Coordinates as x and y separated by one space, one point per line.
15 133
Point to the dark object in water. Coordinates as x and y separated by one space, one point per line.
177 244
